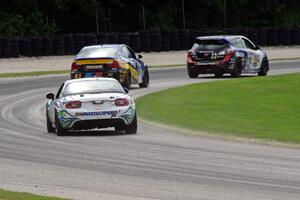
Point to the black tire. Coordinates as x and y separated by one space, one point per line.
132 127
219 74
146 79
237 70
127 82
192 73
264 68
50 128
60 131
119 128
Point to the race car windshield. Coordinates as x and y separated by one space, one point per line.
97 52
92 87
211 44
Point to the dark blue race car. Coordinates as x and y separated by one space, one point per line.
226 54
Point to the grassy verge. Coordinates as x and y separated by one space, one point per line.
259 107
8 195
35 73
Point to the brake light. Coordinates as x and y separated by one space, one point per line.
73 104
114 64
228 56
190 57
75 66
121 102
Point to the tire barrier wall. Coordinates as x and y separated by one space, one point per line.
146 41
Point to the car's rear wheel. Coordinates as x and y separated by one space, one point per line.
237 72
192 73
132 127
264 68
60 131
127 82
219 74
145 81
50 128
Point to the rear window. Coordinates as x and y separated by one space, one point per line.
92 86
97 52
209 44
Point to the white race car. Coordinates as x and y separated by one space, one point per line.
90 103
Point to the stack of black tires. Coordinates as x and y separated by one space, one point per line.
143 41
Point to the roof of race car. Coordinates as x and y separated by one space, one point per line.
105 46
88 79
226 37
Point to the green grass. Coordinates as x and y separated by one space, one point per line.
8 195
256 107
35 73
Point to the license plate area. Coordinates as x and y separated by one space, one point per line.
94 67
206 63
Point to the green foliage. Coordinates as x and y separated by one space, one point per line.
38 26
11 24
161 15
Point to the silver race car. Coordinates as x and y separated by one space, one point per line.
90 103
226 54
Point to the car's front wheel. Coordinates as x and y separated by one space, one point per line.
145 81
60 131
132 127
264 68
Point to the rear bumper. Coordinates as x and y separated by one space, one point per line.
211 68
97 123
118 75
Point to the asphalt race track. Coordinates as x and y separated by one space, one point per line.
155 163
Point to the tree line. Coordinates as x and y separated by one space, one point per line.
48 17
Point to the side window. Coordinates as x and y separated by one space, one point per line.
132 54
125 52
59 91
240 43
248 44
235 43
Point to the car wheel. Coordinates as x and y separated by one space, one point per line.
237 70
192 73
60 131
127 82
219 74
50 128
119 128
145 81
132 127
264 68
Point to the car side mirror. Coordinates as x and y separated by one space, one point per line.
50 96
126 90
140 56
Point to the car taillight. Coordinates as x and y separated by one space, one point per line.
121 102
75 66
190 57
114 64
73 104
228 56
